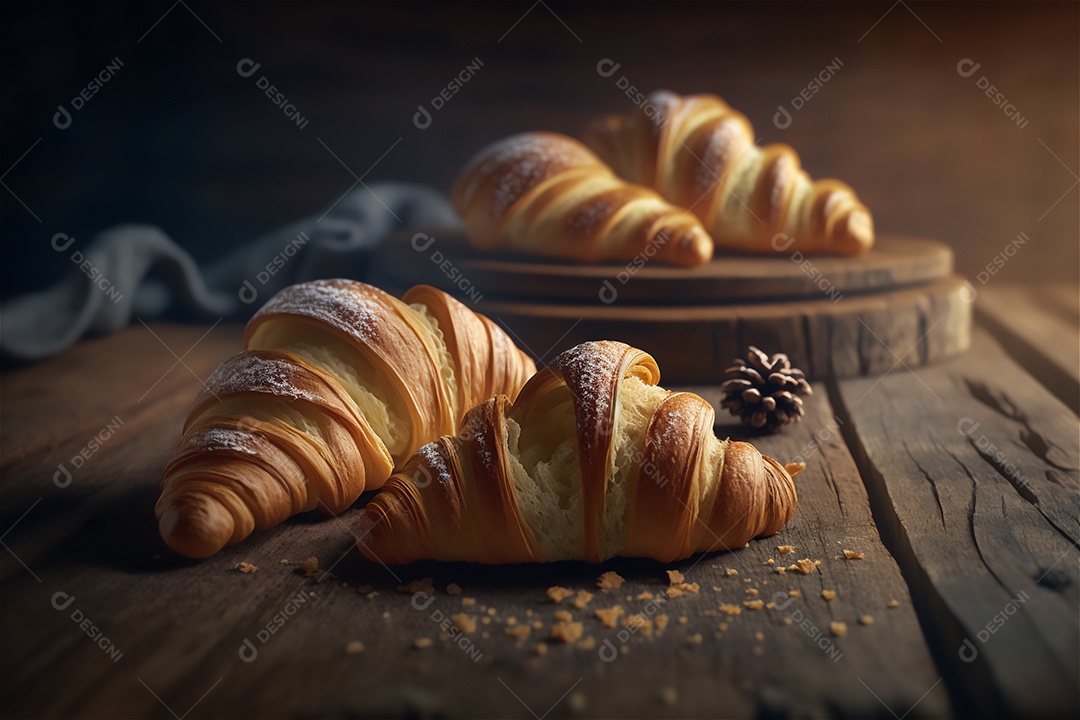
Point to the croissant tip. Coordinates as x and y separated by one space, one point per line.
794 469
196 529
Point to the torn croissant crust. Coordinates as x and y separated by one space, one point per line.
593 460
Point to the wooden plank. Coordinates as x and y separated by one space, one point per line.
1040 327
854 335
972 471
180 626
730 277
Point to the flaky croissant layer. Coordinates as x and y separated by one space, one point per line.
548 194
593 460
339 384
700 154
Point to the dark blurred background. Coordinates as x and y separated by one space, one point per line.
178 138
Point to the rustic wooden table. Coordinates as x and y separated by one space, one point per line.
958 483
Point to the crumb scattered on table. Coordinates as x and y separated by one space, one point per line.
828 594
519 632
754 604
453 589
610 580
354 646
853 555
422 642
839 629
464 623
786 548
558 593
246 567
866 620
567 632
894 603
582 599
675 577
609 616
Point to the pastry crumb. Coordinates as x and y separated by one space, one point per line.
309 567
866 620
894 603
464 623
786 548
669 696
853 555
839 629
794 593
646 595
770 561
675 577
683 620
426 585
610 580
567 632
422 642
661 622
246 567
582 599
563 616
751 591
695 639
609 616
587 644
731 572
754 604
674 592
730 609
541 649
468 601
453 589
828 594
558 593
354 646
519 632
759 636
805 566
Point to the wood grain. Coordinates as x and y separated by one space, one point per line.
972 470
1039 327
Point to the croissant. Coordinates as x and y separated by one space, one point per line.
339 384
592 461
548 194
700 154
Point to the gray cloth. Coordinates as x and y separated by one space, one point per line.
137 271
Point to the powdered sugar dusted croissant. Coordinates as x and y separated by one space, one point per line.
548 194
700 154
593 460
339 384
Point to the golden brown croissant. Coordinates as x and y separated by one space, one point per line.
592 461
700 154
340 382
548 194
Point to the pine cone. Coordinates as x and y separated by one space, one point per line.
764 392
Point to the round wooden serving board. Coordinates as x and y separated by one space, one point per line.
897 305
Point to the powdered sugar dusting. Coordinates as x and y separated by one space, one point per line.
431 456
590 371
219 438
261 372
348 305
522 162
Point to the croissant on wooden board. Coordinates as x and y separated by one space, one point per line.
700 154
339 384
547 194
593 460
